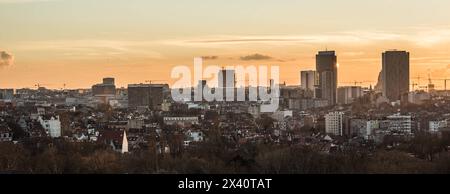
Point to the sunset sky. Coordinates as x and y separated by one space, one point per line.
77 42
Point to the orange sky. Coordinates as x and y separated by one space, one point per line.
57 42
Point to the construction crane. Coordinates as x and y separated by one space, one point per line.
64 87
445 82
357 83
430 83
417 78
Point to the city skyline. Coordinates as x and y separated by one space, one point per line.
194 89
52 46
413 85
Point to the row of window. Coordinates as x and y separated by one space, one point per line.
5 135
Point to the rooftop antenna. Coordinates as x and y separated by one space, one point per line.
429 77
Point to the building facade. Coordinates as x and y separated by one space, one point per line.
436 126
308 80
146 95
182 121
399 124
347 94
107 88
51 124
6 94
364 127
327 70
418 97
395 74
6 133
334 123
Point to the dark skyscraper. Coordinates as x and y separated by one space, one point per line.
146 95
326 67
395 74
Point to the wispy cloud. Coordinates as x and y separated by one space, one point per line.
429 36
6 59
255 57
24 1
90 48
420 36
342 37
212 57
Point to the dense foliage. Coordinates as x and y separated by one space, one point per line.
216 156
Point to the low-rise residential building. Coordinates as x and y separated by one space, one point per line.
6 94
183 121
399 124
5 133
347 94
195 136
364 127
334 123
418 97
51 124
436 126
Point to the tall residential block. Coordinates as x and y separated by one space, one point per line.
395 74
327 70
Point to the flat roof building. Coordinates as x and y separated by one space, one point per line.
395 74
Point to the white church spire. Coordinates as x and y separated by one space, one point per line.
124 143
